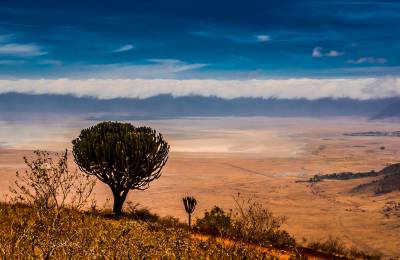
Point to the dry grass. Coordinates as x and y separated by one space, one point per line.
30 233
337 247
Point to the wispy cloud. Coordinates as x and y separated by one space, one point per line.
333 53
263 38
5 37
367 60
154 68
11 62
127 47
355 88
232 35
319 52
217 34
165 61
51 62
177 65
21 50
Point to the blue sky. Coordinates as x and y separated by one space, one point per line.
228 49
199 39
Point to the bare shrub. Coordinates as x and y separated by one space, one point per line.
331 245
49 183
253 222
253 219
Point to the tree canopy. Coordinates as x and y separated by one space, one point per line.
122 156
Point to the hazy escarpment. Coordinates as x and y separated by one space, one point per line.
169 106
391 111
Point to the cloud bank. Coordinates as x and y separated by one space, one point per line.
354 88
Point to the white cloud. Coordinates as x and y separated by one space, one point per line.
127 47
334 53
263 38
21 50
356 88
165 61
231 34
319 52
51 62
174 65
368 60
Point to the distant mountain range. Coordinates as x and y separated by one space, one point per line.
166 106
391 111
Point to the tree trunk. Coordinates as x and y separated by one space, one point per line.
119 199
190 220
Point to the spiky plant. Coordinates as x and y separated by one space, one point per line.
190 205
122 156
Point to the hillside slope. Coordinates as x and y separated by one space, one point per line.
388 180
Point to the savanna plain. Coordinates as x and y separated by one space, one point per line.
214 159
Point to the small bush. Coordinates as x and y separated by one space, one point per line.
144 214
216 222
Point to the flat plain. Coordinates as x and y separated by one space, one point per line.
261 158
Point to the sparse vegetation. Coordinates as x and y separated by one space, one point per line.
29 233
49 182
391 208
250 222
337 247
343 176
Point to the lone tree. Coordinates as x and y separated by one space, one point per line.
122 156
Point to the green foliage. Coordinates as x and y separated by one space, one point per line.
216 222
122 156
